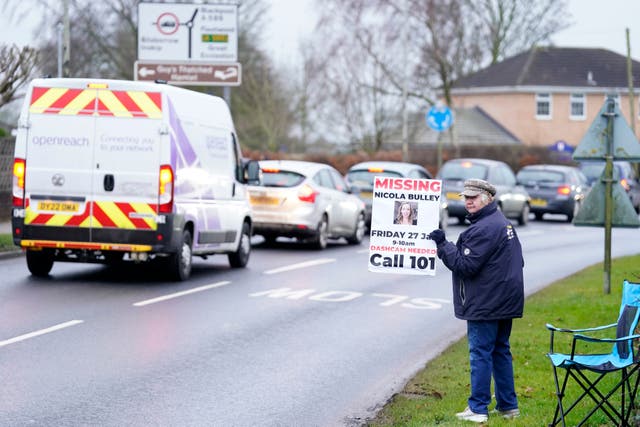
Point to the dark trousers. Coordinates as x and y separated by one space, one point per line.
490 355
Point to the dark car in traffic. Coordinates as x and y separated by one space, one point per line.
554 189
623 171
512 198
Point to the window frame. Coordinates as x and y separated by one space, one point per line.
544 97
577 98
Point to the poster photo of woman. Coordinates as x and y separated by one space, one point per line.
405 213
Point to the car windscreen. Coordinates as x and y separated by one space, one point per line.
281 178
540 176
363 179
461 171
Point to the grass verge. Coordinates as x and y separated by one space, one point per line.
6 242
441 389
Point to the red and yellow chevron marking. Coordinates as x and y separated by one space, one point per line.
96 102
130 216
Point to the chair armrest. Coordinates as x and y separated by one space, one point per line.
596 328
605 340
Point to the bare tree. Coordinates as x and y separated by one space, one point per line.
16 67
511 26
420 47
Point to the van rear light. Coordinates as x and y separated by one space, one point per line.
165 190
307 194
564 190
19 169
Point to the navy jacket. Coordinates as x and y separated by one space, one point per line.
486 264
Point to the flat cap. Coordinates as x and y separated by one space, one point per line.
473 187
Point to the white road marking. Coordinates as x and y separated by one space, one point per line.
300 265
179 294
40 332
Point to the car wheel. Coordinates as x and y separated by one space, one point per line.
40 262
179 263
240 258
358 233
321 238
523 219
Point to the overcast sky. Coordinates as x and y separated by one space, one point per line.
597 23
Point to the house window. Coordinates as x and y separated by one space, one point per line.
543 106
577 106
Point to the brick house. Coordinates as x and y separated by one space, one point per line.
550 94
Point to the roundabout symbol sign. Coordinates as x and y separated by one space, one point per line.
439 118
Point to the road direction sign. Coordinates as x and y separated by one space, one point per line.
188 32
183 73
439 118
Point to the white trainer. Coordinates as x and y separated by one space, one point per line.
469 415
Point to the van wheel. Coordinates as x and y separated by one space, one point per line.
40 262
179 263
320 240
358 233
240 258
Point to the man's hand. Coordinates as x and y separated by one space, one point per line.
437 236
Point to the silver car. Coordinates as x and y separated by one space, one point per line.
306 200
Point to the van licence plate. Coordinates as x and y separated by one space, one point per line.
453 196
55 206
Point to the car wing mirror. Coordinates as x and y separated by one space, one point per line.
252 172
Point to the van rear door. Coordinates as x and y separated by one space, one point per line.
92 162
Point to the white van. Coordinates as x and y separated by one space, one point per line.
109 170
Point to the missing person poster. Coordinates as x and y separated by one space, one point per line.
404 212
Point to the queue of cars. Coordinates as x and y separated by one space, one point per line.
312 202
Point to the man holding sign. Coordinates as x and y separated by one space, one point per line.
488 292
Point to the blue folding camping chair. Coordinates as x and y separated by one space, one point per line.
589 369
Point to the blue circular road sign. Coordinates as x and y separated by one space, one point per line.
439 118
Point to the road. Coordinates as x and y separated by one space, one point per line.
299 338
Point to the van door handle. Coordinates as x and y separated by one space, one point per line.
109 182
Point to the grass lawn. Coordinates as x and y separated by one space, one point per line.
441 389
